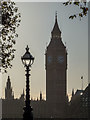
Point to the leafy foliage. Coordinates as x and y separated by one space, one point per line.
81 4
9 21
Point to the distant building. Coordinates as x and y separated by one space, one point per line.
8 90
80 104
13 108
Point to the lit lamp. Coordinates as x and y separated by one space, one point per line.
27 60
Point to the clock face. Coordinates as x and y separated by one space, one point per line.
60 59
49 59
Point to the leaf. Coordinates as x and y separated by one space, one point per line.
76 3
80 14
73 16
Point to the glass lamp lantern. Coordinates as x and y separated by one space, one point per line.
27 58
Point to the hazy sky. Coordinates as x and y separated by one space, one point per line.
39 0
37 22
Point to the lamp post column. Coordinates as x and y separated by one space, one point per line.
27 87
27 109
27 60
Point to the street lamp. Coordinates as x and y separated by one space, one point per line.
27 60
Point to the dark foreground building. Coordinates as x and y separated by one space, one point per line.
79 106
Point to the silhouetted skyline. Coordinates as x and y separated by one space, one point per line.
35 30
56 104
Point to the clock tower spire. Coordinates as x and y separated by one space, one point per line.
56 33
56 74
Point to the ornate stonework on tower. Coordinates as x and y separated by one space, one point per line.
8 90
56 74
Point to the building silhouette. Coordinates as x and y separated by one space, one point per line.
11 107
56 71
8 90
79 106
56 104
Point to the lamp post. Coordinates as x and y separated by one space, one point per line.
27 60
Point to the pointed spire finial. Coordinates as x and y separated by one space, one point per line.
82 81
56 33
72 92
56 16
40 95
8 79
23 91
27 49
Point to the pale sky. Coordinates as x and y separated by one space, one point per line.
39 0
37 22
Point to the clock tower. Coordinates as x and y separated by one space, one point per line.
56 74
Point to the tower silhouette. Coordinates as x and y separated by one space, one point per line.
8 90
40 95
56 71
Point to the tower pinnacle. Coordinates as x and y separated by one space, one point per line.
8 83
56 16
56 33
8 80
23 91
40 95
8 90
